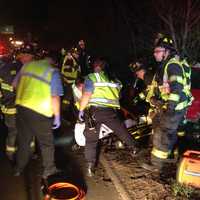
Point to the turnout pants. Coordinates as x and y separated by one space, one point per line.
109 117
10 122
29 124
165 127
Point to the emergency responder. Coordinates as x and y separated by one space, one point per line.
172 95
70 71
8 71
84 58
139 105
39 88
70 67
99 104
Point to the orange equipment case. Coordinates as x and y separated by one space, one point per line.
188 171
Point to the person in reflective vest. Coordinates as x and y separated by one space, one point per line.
70 67
38 91
8 72
70 71
99 104
172 91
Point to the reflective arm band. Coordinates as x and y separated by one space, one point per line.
178 79
160 154
11 149
9 111
174 97
141 95
7 87
182 105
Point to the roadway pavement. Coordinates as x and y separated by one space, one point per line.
72 163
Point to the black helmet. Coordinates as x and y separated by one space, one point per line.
136 66
74 50
165 42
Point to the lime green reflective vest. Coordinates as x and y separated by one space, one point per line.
184 80
69 72
106 93
34 87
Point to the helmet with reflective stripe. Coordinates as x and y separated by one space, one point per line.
165 42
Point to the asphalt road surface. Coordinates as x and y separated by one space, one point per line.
72 163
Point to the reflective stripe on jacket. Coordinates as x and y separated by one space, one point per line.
34 87
183 79
69 71
106 93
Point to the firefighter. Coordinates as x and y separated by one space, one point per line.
8 71
70 71
172 96
140 106
39 88
70 67
84 58
99 104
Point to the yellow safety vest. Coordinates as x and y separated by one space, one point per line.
69 72
106 93
167 95
34 88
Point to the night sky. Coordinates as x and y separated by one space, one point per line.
102 24
66 21
62 23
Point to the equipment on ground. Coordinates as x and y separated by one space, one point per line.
79 133
64 191
188 171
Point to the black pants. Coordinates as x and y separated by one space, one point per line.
109 117
165 127
10 122
29 124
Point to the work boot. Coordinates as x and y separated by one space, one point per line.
150 167
10 156
16 172
90 169
134 152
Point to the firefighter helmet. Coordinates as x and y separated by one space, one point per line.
137 66
165 42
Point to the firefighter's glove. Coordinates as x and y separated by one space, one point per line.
56 122
81 116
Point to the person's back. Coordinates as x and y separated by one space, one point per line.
39 88
33 89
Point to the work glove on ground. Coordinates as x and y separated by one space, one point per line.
56 122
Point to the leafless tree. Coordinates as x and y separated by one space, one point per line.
181 18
